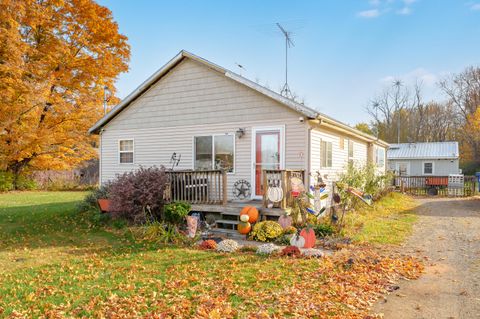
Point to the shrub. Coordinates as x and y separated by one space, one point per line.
159 233
227 246
138 196
91 200
6 181
266 231
291 251
290 230
267 249
366 178
323 230
25 183
175 212
208 245
284 240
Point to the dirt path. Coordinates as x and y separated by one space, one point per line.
448 235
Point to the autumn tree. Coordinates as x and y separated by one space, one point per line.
56 56
463 90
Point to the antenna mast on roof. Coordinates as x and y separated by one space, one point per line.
288 43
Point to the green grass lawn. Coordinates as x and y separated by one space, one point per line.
389 221
54 262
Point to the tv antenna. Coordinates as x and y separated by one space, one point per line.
288 43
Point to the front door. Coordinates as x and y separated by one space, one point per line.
267 155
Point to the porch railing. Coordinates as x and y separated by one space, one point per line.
280 178
434 185
198 187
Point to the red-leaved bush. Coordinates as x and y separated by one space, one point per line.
138 195
292 251
208 244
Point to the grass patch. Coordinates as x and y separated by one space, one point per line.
388 221
54 263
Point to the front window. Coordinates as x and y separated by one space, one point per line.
380 157
125 150
428 168
326 154
214 152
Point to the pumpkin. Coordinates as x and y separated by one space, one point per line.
297 241
285 221
244 228
275 194
309 235
244 218
252 213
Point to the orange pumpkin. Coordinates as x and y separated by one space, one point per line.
309 235
244 228
252 213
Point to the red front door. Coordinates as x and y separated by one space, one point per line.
267 155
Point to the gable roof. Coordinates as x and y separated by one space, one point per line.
300 108
433 150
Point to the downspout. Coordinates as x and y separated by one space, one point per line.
100 158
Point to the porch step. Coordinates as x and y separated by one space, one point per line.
229 233
227 221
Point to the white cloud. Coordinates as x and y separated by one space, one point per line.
374 2
475 7
373 13
407 2
421 75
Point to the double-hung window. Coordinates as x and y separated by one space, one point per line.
380 157
125 151
214 152
427 168
326 154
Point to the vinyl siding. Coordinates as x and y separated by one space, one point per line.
193 100
339 155
442 167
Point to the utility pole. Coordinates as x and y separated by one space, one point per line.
397 84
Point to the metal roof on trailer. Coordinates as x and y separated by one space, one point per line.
432 150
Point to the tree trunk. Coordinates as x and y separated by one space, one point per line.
16 169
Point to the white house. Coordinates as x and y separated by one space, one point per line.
212 118
424 159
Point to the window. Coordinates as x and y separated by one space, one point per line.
214 152
427 168
125 151
380 157
350 149
326 154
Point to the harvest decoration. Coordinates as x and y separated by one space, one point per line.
252 213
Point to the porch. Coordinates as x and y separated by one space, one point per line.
208 193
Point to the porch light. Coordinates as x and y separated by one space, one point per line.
240 132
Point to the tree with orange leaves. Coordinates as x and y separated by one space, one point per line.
56 57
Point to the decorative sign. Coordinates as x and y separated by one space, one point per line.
242 189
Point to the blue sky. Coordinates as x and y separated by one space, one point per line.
345 51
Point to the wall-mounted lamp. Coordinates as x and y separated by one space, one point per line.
240 132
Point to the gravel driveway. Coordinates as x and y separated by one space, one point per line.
447 237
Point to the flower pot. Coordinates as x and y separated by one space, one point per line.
104 204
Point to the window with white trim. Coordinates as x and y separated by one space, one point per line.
214 152
380 156
427 168
125 151
325 154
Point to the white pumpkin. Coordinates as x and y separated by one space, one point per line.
244 218
298 241
275 194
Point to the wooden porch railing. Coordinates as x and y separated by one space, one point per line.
281 178
198 187
434 185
